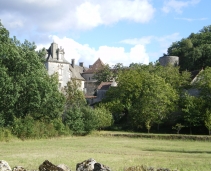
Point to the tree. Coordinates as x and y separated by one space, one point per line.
178 127
145 94
194 51
203 84
103 74
157 99
172 75
81 119
73 95
104 117
42 53
27 88
207 120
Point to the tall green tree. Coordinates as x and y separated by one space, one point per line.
194 51
191 108
157 99
203 84
73 95
207 120
103 74
29 90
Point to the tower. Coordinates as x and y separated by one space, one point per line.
169 60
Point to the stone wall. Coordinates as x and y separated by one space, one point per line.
172 60
90 88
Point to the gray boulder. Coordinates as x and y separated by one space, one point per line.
4 166
91 165
64 167
18 168
48 166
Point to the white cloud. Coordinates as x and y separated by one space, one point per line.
54 15
110 55
192 19
162 43
143 41
140 11
149 39
177 6
88 15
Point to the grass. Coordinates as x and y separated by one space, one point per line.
116 152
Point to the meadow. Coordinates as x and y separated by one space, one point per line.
116 152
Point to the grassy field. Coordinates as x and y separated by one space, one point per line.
115 152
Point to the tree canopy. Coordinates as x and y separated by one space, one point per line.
194 51
25 86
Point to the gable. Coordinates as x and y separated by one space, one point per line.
96 66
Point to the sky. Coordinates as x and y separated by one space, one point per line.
116 31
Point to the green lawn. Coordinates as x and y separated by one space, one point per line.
115 152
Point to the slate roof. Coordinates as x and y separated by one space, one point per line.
104 86
76 72
97 65
194 75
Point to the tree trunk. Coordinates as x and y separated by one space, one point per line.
190 130
158 127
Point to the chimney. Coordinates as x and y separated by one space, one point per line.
73 63
81 64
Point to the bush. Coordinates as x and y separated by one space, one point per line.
104 117
5 134
84 119
80 119
30 128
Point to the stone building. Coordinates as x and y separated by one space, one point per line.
172 60
56 63
90 82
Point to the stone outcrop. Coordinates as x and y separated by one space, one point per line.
48 166
18 168
4 166
101 167
64 167
86 165
91 165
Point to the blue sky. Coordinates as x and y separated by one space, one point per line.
117 31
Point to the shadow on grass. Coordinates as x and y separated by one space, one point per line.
178 151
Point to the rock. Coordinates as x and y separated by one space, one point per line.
64 167
101 167
4 166
86 165
91 165
18 168
48 166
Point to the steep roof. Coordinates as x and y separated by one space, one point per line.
194 75
76 72
104 86
97 65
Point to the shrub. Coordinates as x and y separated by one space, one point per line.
75 121
104 117
30 128
5 134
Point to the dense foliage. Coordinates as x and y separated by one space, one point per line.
194 51
26 88
147 96
31 105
